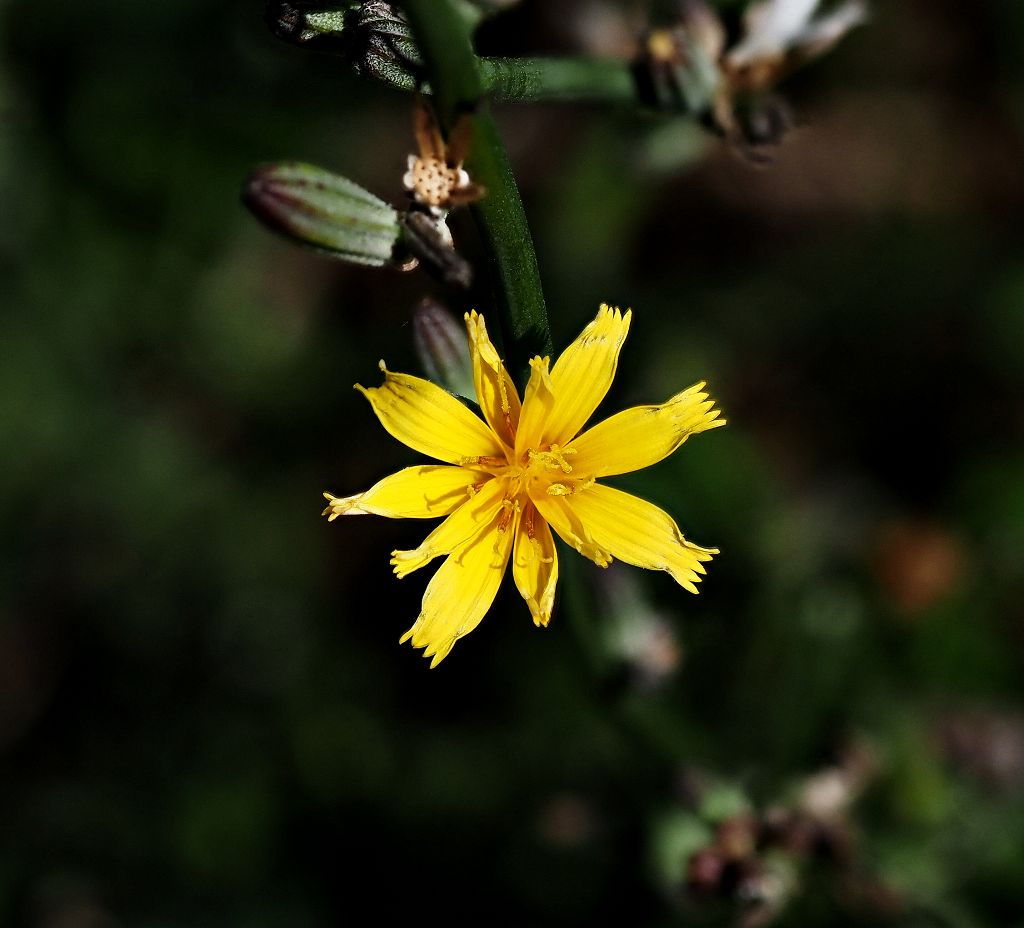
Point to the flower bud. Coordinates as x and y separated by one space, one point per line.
321 209
443 348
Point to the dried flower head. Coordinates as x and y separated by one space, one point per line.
435 177
690 65
780 35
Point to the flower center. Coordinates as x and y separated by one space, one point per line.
547 472
539 472
552 459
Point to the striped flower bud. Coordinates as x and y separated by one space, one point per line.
323 210
443 348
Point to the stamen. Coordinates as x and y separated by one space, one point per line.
553 459
567 489
475 488
503 390
483 460
506 407
539 551
510 508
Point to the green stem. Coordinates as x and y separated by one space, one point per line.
524 80
453 70
384 47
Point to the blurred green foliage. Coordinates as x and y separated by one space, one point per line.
205 717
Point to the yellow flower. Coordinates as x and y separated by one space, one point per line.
527 469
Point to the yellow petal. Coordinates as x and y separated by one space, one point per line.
561 517
460 593
642 436
422 492
639 533
426 418
535 565
459 527
495 391
582 375
538 401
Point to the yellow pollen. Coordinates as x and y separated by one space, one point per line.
485 460
506 408
510 507
661 45
567 489
475 488
552 459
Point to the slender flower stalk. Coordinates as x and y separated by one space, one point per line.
453 71
525 469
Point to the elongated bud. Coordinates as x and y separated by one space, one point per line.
443 348
321 209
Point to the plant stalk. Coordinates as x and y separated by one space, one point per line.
453 71
526 80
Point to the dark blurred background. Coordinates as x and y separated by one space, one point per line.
205 716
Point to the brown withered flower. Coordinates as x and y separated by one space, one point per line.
781 35
690 65
436 178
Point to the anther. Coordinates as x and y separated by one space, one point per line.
553 459
510 507
482 460
539 551
475 488
506 407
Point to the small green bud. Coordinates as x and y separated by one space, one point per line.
321 209
443 348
